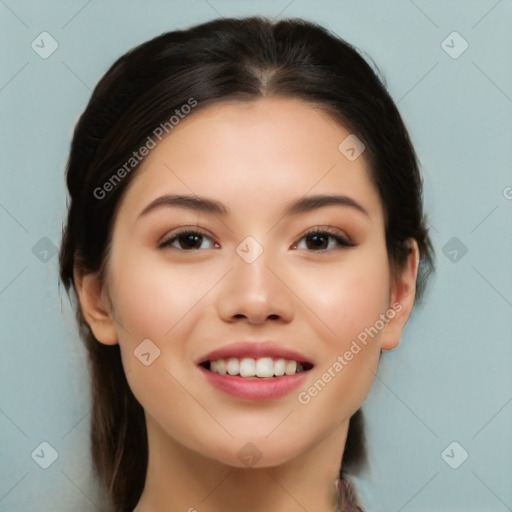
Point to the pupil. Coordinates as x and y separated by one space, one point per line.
191 239
318 240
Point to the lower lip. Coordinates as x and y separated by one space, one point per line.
255 388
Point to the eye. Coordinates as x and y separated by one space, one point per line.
319 239
187 240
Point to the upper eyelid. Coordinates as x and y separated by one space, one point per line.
327 229
332 231
184 229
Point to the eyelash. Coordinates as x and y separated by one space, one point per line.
327 232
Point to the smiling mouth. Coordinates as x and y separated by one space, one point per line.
260 368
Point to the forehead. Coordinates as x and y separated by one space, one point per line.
250 151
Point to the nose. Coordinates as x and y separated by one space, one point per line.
256 292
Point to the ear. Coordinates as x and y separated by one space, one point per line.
402 295
96 313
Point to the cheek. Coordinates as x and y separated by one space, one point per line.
159 301
349 296
153 295
163 302
350 303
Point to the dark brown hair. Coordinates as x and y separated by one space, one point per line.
225 59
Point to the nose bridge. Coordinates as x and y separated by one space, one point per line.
252 289
251 266
250 250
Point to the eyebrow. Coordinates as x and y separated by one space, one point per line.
207 205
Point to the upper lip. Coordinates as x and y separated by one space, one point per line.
255 350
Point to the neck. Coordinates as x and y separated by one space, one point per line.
180 479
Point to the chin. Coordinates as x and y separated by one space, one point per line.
257 453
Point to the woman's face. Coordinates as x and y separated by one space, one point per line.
253 276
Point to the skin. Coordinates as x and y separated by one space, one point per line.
255 158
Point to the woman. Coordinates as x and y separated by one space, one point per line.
244 237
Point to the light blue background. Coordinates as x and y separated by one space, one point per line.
450 379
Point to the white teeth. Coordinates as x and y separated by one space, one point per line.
233 366
247 367
290 368
221 367
264 367
279 367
